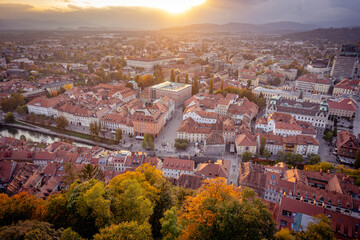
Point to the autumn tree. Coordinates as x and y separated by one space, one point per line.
126 231
61 122
221 211
29 230
222 84
187 78
195 86
94 128
211 86
21 206
178 78
9 117
170 226
172 75
284 234
262 145
118 135
9 104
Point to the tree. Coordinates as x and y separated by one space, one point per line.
126 231
321 228
21 206
187 78
70 173
221 211
335 131
211 86
357 159
94 128
314 159
222 84
11 103
61 122
170 226
195 86
67 86
246 156
172 75
90 172
328 136
118 135
178 78
9 117
29 230
284 234
69 234
266 154
22 110
262 145
248 84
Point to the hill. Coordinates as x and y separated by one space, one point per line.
331 34
245 27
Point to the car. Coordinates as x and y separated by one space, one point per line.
335 153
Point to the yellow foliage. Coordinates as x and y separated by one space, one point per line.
67 86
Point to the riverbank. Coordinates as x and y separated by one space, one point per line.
34 128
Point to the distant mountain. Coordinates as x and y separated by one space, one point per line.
331 34
245 27
31 24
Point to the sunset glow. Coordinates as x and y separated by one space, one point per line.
171 6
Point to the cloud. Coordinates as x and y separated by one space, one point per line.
213 11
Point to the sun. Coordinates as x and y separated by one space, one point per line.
170 6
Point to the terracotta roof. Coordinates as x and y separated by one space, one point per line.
178 164
189 181
244 140
345 104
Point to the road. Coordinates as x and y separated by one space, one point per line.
324 151
233 177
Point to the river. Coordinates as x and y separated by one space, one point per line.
34 136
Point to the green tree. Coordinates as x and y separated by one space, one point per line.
328 136
262 145
70 173
61 122
9 117
170 225
187 78
266 154
246 156
211 86
90 171
314 159
335 131
320 229
125 231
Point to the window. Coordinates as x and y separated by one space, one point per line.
283 223
273 177
286 213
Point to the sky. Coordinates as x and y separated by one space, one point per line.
157 14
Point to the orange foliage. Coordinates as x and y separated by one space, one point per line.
21 206
197 210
